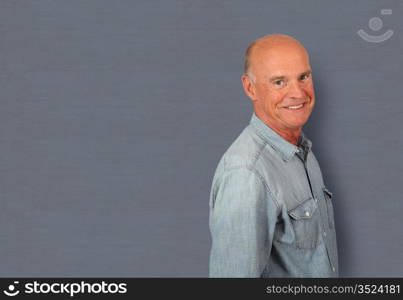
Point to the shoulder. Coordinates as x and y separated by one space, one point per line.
239 162
244 151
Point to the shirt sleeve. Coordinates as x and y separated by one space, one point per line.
242 221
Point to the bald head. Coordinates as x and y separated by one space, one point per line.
265 44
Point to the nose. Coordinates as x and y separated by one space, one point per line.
296 91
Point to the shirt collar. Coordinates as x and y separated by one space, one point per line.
283 147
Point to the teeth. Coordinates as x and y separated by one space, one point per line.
295 107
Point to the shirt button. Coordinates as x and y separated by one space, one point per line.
324 233
334 269
307 213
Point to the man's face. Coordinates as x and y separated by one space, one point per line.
283 88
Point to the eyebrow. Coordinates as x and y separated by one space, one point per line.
274 78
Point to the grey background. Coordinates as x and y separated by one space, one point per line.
114 115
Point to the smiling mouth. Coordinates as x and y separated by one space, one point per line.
295 107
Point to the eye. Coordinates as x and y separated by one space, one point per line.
279 82
305 76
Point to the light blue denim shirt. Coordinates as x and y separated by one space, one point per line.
270 212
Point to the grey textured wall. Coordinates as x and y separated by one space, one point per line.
114 115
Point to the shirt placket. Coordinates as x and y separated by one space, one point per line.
319 199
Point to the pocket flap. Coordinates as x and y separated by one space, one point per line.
305 210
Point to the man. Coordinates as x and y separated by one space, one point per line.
270 213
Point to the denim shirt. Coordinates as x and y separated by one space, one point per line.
270 212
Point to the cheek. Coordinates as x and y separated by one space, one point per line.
277 99
271 103
270 99
309 90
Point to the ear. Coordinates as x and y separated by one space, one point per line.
248 87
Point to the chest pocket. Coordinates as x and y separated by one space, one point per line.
304 221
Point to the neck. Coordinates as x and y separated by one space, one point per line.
291 136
